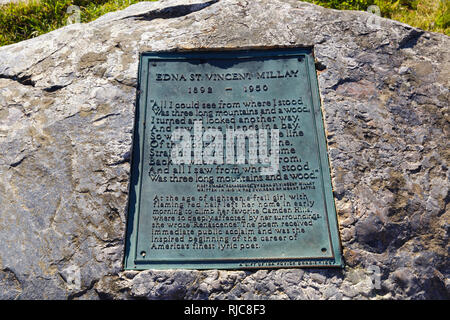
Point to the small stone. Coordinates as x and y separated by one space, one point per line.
317 277
403 70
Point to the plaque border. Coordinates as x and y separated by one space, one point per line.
131 262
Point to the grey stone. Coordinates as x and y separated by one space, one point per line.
10 287
317 277
67 102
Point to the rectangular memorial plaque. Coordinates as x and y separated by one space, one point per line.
229 164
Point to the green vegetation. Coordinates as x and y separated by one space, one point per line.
431 15
28 19
24 20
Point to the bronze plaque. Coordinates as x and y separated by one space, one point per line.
230 167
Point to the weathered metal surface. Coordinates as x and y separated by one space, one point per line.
215 210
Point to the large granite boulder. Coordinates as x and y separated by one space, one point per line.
67 102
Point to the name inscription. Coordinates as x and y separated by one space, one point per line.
226 76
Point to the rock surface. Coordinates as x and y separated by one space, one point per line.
66 116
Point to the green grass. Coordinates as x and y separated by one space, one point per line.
430 15
25 20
